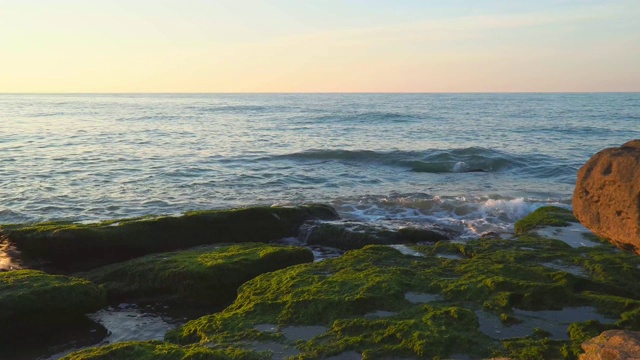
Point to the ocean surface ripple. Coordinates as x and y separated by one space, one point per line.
474 161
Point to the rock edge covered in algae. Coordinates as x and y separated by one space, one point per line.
204 276
33 302
69 247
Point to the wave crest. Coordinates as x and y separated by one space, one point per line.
461 160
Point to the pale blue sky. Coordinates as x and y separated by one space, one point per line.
286 45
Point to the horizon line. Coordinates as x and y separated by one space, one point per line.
320 92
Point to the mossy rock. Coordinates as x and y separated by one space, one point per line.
545 216
157 350
72 247
336 293
204 276
490 275
33 302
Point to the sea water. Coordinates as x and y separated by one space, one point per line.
472 162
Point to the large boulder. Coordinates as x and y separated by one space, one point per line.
607 195
613 345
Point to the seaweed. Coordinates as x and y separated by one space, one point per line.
545 216
202 276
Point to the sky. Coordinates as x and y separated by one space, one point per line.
200 46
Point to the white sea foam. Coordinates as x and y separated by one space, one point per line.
469 216
460 166
513 209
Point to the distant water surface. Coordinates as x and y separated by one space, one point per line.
473 161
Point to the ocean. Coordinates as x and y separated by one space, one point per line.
471 162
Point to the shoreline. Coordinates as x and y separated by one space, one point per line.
532 251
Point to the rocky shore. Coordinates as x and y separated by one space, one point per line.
301 283
533 296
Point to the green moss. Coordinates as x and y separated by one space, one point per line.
203 276
337 293
152 350
580 332
491 274
30 292
76 247
425 332
535 347
33 302
545 216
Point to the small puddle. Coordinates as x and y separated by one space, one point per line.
555 322
305 333
348 355
572 234
418 298
571 269
127 322
320 253
271 328
379 314
404 249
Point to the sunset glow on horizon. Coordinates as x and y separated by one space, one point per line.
71 46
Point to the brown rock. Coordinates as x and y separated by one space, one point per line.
613 345
607 195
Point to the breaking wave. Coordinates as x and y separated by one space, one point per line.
461 160
471 217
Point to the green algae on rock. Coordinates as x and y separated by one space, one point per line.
545 216
208 275
32 302
503 278
34 293
151 350
337 293
71 247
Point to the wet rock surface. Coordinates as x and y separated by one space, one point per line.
607 195
349 235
